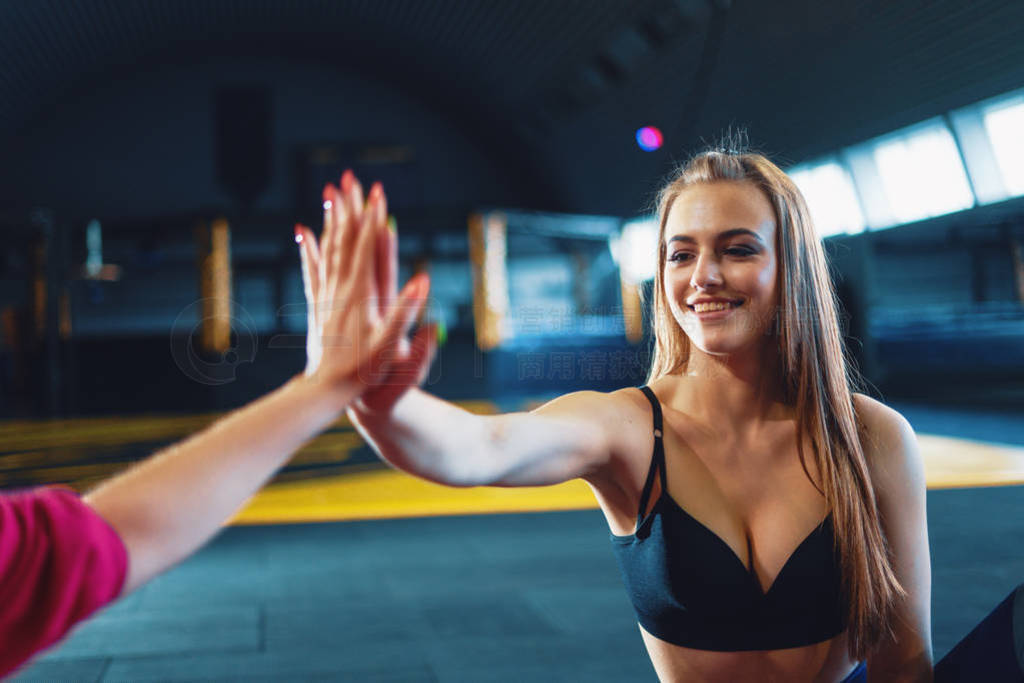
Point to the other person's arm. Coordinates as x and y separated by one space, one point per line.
167 507
62 558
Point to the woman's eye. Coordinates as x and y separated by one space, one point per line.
679 257
740 251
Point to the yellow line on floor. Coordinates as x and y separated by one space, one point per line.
377 494
960 463
380 494
59 448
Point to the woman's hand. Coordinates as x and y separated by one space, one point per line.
360 231
366 345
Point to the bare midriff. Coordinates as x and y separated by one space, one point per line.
825 662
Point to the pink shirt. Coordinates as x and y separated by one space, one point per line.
59 562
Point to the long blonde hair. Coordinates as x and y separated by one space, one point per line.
817 380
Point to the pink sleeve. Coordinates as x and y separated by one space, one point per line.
59 562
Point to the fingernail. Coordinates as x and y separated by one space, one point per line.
298 233
346 180
375 192
330 196
392 225
415 288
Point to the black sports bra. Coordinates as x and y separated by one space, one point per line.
691 589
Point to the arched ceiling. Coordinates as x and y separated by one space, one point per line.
557 87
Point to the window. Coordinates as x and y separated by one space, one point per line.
1004 123
922 174
831 197
636 250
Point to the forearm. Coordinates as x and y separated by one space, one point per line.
168 506
428 437
439 441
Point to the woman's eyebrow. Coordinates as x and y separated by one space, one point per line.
726 234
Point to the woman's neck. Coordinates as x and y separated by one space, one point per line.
740 391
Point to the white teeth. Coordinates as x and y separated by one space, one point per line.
715 306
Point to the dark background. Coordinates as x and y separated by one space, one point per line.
150 116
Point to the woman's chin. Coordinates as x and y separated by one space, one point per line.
720 345
721 351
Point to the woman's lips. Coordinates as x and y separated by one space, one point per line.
719 313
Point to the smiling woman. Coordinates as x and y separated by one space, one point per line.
740 484
769 522
742 290
721 279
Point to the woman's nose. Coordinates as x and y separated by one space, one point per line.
705 274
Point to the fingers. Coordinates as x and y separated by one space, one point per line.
364 262
421 355
387 267
335 244
357 253
402 374
309 257
329 196
351 200
399 320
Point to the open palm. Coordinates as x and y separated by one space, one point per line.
356 262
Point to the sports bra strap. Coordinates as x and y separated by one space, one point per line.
657 459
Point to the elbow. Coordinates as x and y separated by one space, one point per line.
468 472
454 473
459 480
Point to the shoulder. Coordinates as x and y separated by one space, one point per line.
890 448
61 559
884 432
621 419
626 404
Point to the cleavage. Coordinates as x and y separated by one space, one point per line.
695 490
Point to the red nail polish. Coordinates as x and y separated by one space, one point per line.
298 233
329 192
413 287
376 191
346 180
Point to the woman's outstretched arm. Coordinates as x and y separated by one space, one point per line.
573 436
567 438
168 506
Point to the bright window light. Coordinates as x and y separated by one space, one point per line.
1004 124
831 197
636 250
922 174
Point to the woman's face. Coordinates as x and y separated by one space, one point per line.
721 265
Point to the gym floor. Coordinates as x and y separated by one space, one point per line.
398 580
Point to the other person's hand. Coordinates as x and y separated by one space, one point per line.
357 322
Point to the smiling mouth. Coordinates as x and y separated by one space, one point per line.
711 307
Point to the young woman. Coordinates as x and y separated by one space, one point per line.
769 523
62 557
